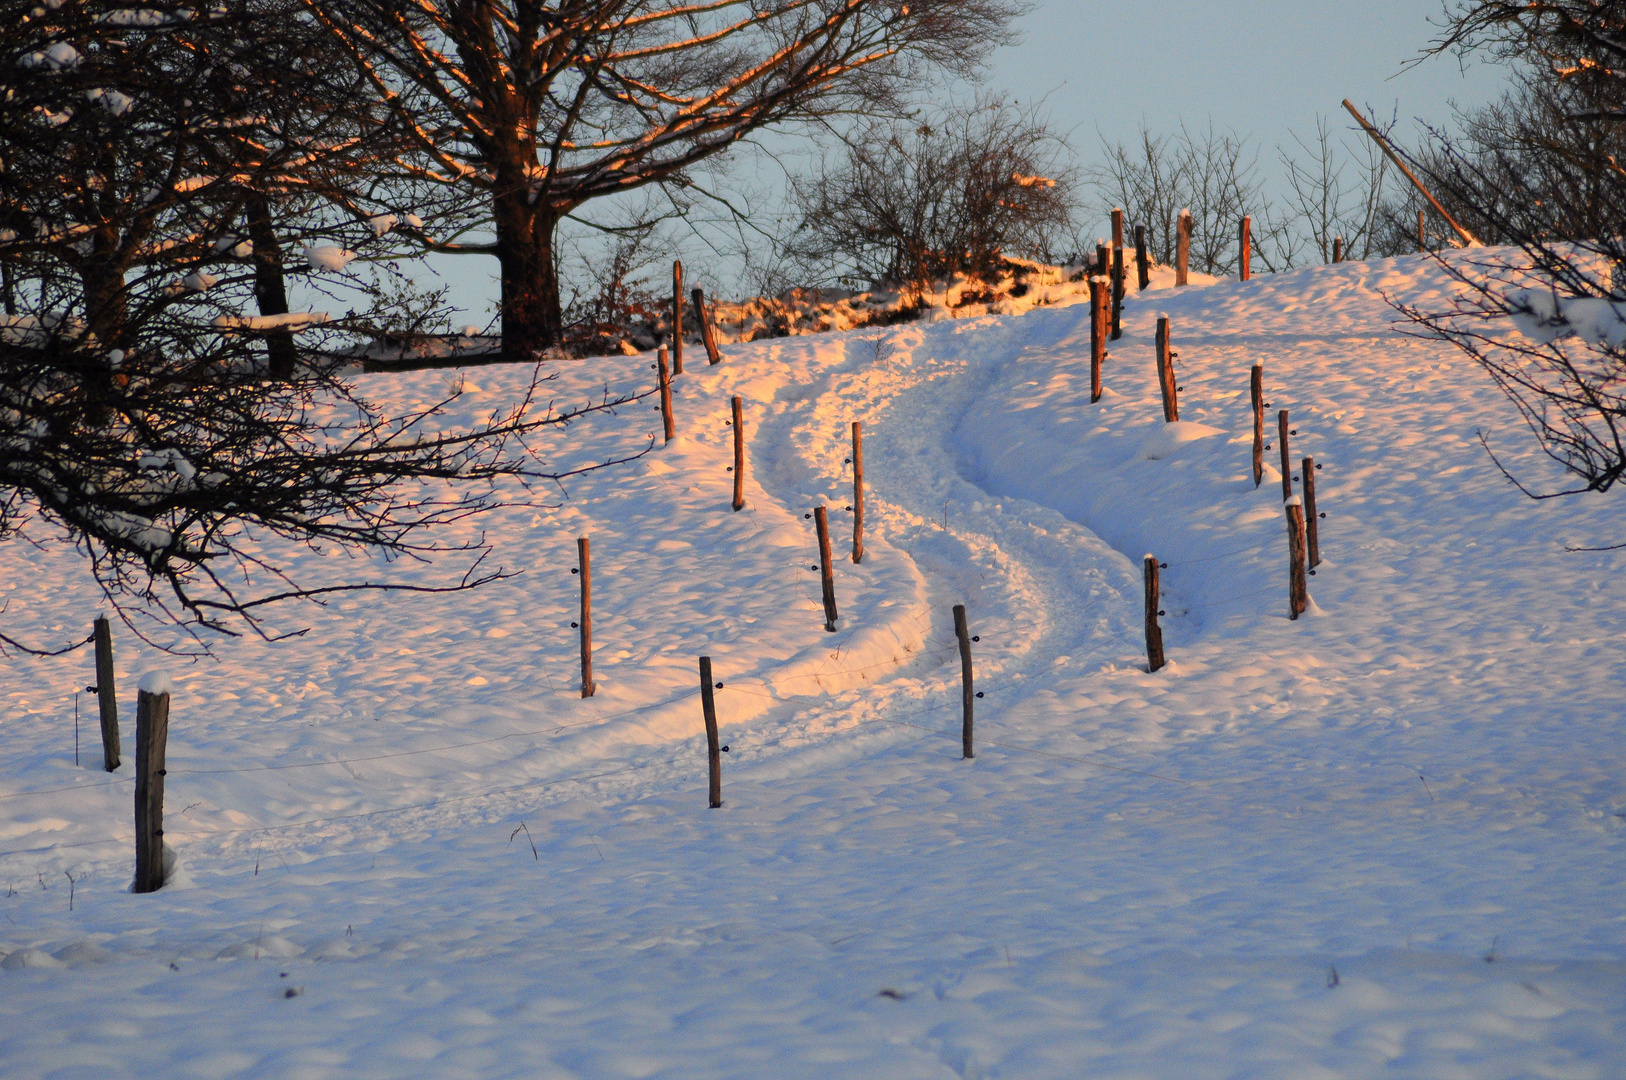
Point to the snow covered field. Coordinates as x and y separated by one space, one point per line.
1384 840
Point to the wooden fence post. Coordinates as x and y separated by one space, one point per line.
827 572
1117 292
1338 249
714 757
962 632
1312 534
1154 633
1103 259
1298 592
152 737
1098 334
677 317
583 552
1142 267
739 453
1422 231
666 394
1117 228
107 698
1256 390
1165 372
1245 246
708 332
1182 249
858 492
1287 462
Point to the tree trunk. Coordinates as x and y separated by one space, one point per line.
270 290
532 320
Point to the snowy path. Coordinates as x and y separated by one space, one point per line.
1139 875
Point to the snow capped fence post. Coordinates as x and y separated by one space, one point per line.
666 394
1165 372
1117 228
1143 270
1117 293
1287 462
708 332
589 688
1098 334
1154 633
677 317
827 572
1298 592
1311 532
107 698
963 632
858 492
708 706
1338 249
1245 247
1103 260
152 736
1256 390
739 453
1182 249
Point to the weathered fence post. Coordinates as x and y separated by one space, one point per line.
152 737
1117 228
1256 390
1165 372
1298 591
677 317
1103 259
1338 249
1098 334
1154 633
666 394
1422 231
714 757
1245 245
584 554
858 492
739 453
1182 248
1312 532
107 698
827 572
1142 267
1287 461
1117 293
708 332
967 694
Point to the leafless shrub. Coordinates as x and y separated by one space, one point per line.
911 201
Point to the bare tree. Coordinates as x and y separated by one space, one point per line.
1326 200
1544 316
911 201
543 105
137 415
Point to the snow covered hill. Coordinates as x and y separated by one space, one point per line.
1382 840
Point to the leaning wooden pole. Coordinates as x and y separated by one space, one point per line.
1383 144
827 573
967 690
858 491
1154 632
739 453
584 554
107 698
152 738
714 757
708 329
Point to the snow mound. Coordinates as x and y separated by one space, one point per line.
1165 439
